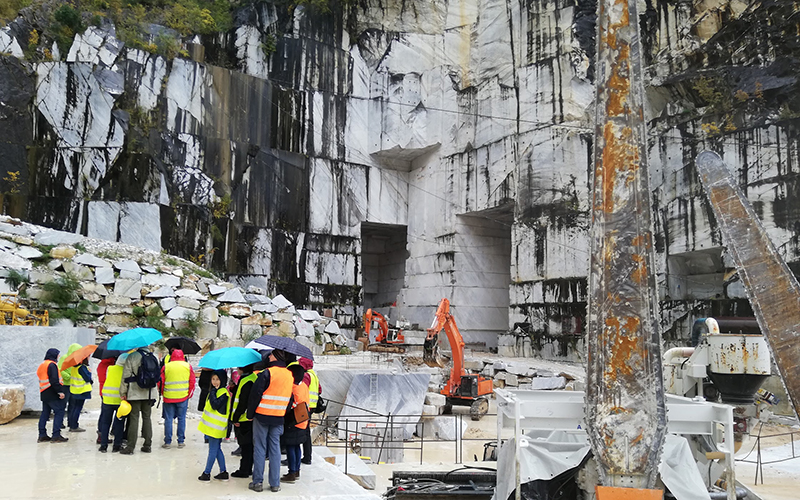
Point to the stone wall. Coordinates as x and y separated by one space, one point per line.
23 351
422 115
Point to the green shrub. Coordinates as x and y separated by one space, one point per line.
138 311
345 350
16 279
62 291
190 326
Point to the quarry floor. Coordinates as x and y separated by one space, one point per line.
77 470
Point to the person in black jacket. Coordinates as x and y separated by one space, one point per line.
53 395
242 427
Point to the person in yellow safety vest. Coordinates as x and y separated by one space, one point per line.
65 376
53 395
242 426
295 433
214 424
80 388
269 398
176 386
111 401
314 391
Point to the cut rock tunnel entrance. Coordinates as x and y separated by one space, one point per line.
383 265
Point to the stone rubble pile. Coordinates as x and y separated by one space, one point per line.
121 287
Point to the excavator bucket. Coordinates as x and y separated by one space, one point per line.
430 353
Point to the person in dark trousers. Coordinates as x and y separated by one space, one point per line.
269 398
53 396
205 385
80 388
294 433
242 426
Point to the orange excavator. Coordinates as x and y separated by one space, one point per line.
462 389
385 335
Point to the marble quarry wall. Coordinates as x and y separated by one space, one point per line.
394 153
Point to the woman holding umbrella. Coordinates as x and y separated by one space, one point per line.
80 387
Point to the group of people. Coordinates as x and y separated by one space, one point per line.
266 406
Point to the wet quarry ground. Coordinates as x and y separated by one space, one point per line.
77 470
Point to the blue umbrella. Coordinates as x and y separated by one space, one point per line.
229 357
133 339
286 344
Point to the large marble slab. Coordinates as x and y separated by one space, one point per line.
23 350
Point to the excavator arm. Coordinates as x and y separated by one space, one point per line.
445 321
383 325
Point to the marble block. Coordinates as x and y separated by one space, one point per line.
281 302
384 393
88 259
23 351
12 400
232 295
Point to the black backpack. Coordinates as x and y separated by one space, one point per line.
149 372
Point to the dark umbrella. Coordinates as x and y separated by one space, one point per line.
187 345
103 352
286 344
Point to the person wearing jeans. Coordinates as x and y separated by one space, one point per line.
111 402
172 411
269 398
52 394
214 424
177 386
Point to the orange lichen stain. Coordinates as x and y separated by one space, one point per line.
624 341
636 440
610 36
620 154
639 275
619 84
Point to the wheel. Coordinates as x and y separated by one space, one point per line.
479 408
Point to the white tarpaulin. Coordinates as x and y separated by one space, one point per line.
546 454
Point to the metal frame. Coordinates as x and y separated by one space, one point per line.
525 410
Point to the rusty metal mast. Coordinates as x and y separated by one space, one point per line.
625 412
769 283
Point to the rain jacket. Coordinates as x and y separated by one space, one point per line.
131 390
177 355
65 370
51 393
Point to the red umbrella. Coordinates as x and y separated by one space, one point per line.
78 356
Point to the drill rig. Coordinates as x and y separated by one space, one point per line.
462 388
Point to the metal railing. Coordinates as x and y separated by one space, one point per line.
353 427
759 462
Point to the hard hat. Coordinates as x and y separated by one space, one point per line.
124 409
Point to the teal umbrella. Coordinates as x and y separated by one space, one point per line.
133 339
229 357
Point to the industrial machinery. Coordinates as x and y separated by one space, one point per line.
462 388
729 362
385 334
12 314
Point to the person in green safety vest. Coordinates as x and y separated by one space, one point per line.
65 373
243 426
214 424
80 388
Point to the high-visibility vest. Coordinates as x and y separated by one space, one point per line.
176 379
313 389
300 392
250 378
41 372
277 396
64 372
77 385
111 387
213 423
